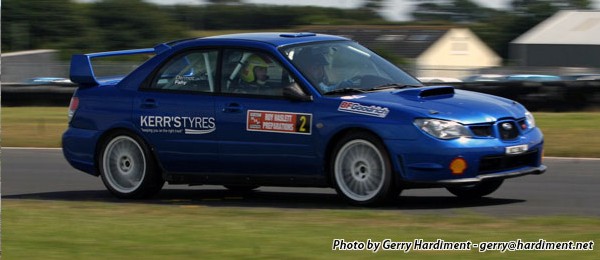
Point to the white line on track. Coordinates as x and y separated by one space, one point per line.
572 158
30 148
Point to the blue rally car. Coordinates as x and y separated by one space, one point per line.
290 109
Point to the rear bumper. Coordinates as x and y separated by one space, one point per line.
79 147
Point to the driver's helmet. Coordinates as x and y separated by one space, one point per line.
252 62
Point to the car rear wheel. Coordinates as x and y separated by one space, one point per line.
128 169
476 190
361 170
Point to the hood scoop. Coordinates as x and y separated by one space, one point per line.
427 92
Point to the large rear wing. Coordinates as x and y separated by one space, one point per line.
82 71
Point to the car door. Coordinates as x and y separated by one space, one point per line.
261 132
175 112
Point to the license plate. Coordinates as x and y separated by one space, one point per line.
517 149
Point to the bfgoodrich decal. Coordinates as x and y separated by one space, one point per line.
279 122
357 108
177 124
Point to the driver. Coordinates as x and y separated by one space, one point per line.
313 64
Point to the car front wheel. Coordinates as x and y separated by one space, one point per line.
128 169
361 169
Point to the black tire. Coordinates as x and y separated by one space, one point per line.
476 191
241 188
361 170
127 167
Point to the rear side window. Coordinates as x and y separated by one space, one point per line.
253 73
192 71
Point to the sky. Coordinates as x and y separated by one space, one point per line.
395 10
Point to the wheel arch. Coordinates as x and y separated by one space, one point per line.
335 139
104 138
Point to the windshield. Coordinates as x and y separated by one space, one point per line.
345 66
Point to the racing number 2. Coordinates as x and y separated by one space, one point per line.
302 128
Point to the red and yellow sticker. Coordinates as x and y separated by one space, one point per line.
279 122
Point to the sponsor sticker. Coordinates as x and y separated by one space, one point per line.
279 122
357 108
189 125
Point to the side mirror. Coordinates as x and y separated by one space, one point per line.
294 92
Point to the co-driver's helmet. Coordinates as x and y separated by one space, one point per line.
252 62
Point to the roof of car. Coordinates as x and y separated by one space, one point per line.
273 38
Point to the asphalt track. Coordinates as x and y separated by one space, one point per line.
569 187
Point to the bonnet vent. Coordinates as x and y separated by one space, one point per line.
436 92
427 92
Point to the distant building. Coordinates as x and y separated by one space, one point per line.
431 51
567 39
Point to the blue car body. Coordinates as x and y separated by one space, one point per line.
234 139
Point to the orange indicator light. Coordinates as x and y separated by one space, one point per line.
458 166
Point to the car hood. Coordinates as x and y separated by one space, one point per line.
442 102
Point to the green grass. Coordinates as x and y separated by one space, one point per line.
570 134
566 134
98 230
33 126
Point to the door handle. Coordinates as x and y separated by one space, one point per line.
232 108
149 103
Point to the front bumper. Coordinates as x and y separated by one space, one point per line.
494 176
427 160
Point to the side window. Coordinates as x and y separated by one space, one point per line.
192 71
253 73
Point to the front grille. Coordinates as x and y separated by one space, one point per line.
507 162
482 130
523 124
508 130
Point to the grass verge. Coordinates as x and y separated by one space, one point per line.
570 134
566 134
33 126
97 230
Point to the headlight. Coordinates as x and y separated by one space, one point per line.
529 120
442 129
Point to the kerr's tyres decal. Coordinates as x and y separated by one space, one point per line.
357 108
196 125
279 122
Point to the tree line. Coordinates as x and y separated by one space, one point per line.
122 24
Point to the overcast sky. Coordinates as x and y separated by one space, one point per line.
398 10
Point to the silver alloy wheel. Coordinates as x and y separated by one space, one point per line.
124 164
360 170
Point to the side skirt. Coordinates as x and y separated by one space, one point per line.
246 179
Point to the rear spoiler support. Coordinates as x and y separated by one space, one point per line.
82 72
